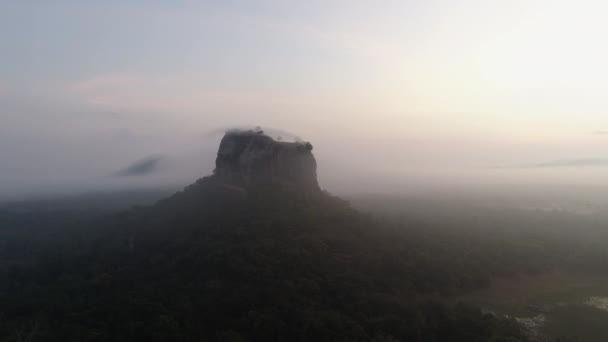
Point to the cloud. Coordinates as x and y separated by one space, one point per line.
586 162
176 93
115 89
275 133
142 167
600 132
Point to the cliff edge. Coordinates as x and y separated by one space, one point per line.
251 159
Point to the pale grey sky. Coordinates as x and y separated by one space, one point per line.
387 90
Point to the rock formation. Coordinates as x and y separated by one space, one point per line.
251 159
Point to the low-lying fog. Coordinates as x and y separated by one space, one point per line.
347 166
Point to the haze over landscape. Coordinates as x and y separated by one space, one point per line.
430 91
232 171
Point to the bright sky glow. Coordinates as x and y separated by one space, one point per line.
87 86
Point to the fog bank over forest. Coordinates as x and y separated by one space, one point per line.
351 168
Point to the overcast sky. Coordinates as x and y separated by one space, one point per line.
391 90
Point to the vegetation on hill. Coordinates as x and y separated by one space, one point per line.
211 264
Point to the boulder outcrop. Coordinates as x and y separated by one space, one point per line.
251 159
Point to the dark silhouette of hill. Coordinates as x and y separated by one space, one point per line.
255 252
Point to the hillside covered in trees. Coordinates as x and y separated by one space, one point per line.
274 266
255 252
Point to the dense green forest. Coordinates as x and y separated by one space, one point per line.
208 264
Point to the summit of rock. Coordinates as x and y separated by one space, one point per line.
251 158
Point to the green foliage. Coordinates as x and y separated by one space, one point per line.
212 264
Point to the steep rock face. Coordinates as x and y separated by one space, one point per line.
251 158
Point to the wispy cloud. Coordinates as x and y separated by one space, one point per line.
142 167
161 93
600 132
275 133
116 90
585 162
